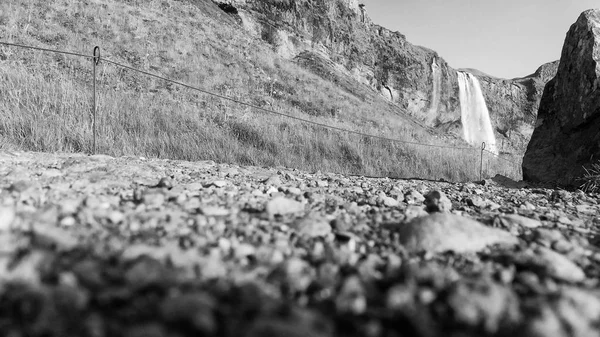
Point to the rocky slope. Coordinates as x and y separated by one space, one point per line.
102 246
338 41
566 138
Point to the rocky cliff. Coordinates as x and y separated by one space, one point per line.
567 137
338 41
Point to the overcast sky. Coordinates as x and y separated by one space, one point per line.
504 38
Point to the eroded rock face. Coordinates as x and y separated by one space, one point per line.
338 41
567 136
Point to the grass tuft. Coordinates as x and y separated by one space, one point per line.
591 179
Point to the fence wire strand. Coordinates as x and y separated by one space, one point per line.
185 85
275 112
47 49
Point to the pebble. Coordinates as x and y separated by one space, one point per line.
437 201
439 232
313 226
413 197
7 216
283 205
510 220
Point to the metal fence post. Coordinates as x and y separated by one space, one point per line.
95 62
481 162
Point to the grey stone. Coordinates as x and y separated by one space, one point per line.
439 232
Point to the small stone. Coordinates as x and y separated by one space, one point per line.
7 216
413 211
436 201
47 235
439 232
69 206
413 197
154 200
273 180
564 220
20 186
528 206
557 265
476 201
219 183
511 220
322 183
478 304
165 182
195 310
116 217
294 191
547 236
67 221
389 202
352 297
215 211
283 205
313 226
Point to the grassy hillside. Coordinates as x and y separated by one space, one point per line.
45 99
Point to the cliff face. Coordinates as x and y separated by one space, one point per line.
337 40
567 137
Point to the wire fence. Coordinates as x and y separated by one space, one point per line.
97 58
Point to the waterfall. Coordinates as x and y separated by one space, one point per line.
475 117
436 78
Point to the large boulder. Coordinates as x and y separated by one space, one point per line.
567 134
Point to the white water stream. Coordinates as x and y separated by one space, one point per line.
436 78
475 117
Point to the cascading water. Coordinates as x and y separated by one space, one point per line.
475 118
436 78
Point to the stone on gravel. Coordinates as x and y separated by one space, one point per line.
389 201
49 236
559 266
439 232
352 297
194 311
478 304
413 197
313 226
511 220
273 180
437 201
283 205
214 211
7 216
477 201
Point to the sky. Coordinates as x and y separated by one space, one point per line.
503 38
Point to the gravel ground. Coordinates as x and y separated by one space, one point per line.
102 246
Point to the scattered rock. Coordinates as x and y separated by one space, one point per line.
7 216
436 201
439 232
283 205
413 197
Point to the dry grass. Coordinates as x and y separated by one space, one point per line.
591 179
45 99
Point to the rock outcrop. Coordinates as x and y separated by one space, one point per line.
567 137
338 41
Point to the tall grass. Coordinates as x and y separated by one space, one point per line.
45 99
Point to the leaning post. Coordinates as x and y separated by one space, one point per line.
95 62
481 162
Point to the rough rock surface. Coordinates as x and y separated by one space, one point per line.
102 246
566 137
338 41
